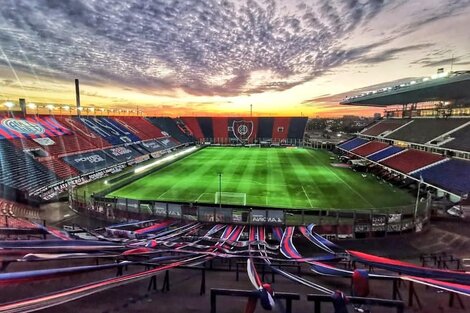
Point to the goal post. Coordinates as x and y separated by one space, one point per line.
230 198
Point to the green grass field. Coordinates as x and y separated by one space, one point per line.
277 177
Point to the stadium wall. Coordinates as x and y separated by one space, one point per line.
336 223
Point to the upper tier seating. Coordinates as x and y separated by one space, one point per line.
369 148
109 129
83 132
383 127
193 125
411 160
297 127
382 154
352 144
460 141
140 127
452 175
242 129
220 125
169 126
424 129
19 170
280 128
43 133
232 129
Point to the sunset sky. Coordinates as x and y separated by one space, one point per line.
207 57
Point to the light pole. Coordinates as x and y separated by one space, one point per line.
220 189
417 198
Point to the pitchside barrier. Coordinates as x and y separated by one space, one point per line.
330 222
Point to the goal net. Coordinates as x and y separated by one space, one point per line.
230 198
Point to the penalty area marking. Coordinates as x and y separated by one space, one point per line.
305 192
200 196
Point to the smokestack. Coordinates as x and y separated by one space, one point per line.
23 105
77 95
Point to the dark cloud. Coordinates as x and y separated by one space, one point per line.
446 62
205 47
390 54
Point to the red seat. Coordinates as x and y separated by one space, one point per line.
411 160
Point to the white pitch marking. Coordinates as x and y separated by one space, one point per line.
305 192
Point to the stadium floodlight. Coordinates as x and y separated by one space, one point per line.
412 82
9 104
32 105
50 107
439 75
66 107
164 159
425 79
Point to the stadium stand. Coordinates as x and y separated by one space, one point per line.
140 127
122 153
83 132
10 208
193 125
169 126
280 128
60 168
243 129
451 175
21 171
383 127
411 160
423 130
220 125
90 161
370 148
387 152
352 144
168 143
152 145
109 129
297 127
225 130
205 124
459 140
265 128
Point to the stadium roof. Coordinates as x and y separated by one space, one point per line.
439 87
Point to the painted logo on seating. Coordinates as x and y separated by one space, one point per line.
242 130
23 126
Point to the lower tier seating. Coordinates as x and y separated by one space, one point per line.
452 175
369 148
352 144
21 171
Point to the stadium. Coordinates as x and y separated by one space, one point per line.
120 210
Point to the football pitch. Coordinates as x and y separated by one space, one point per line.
273 177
